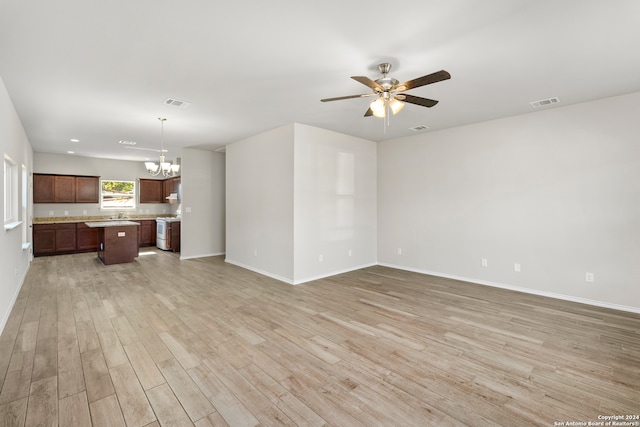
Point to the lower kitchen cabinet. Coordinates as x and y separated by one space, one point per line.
87 238
76 237
51 239
173 235
147 232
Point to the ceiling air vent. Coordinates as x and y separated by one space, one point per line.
545 102
176 103
419 128
123 142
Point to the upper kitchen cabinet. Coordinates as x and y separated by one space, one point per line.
49 188
87 189
171 185
64 189
43 188
151 190
157 190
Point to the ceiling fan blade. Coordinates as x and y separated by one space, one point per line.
369 113
368 82
438 76
411 99
364 95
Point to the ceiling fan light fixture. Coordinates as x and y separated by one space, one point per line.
378 107
396 105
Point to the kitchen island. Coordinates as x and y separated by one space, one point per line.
117 241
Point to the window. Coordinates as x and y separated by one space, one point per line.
23 205
10 194
117 195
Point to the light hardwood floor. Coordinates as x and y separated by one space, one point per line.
169 342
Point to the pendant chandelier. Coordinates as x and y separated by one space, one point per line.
167 169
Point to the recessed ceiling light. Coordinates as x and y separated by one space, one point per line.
71 152
123 142
74 140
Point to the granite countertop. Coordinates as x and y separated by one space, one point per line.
85 218
112 223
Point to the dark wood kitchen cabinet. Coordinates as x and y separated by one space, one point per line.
171 185
43 188
64 189
173 235
151 190
87 189
49 188
157 190
86 238
76 237
147 232
51 239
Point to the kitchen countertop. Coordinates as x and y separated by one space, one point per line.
112 223
71 219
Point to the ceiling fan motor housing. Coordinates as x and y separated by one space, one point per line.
387 83
384 68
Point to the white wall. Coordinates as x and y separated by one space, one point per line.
301 203
259 203
334 203
14 262
104 168
557 191
203 203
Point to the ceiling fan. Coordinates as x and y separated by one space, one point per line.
387 91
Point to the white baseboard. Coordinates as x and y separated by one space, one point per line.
322 276
299 281
519 289
5 318
200 255
257 270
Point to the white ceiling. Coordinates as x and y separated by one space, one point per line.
99 71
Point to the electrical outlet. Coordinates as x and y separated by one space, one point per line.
516 267
50 213
320 258
255 252
84 212
484 262
399 251
349 253
66 213
589 277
